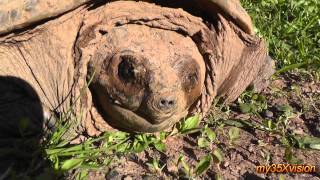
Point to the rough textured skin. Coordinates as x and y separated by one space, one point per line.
44 59
151 65
158 86
17 14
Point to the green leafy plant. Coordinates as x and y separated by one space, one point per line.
207 137
156 167
203 165
250 102
194 171
217 156
288 155
302 142
97 152
234 134
189 125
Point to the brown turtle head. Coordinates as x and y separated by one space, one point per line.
146 78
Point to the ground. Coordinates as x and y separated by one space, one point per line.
279 125
252 147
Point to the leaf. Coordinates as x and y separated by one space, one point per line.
288 155
237 123
121 148
62 143
138 146
190 123
285 141
160 146
305 141
82 175
163 135
211 135
269 124
234 133
261 98
71 163
309 139
285 108
218 176
315 146
191 131
120 135
186 168
245 108
203 142
140 137
203 165
217 155
281 177
55 161
90 166
155 163
290 67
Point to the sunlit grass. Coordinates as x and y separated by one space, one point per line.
291 28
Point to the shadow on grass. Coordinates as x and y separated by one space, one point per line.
21 131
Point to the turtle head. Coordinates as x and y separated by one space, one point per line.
146 78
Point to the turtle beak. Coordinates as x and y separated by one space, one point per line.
130 121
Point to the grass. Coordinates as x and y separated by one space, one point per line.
291 28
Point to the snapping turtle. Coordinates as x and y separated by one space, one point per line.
147 66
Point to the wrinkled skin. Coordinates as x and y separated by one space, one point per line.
15 14
140 88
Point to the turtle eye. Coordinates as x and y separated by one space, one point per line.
191 80
126 69
189 71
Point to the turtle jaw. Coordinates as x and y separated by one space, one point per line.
129 121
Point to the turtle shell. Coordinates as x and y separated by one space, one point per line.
17 14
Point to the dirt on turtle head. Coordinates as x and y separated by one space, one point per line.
152 74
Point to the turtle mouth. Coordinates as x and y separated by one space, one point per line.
127 120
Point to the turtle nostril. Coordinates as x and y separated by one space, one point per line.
163 102
171 103
166 103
